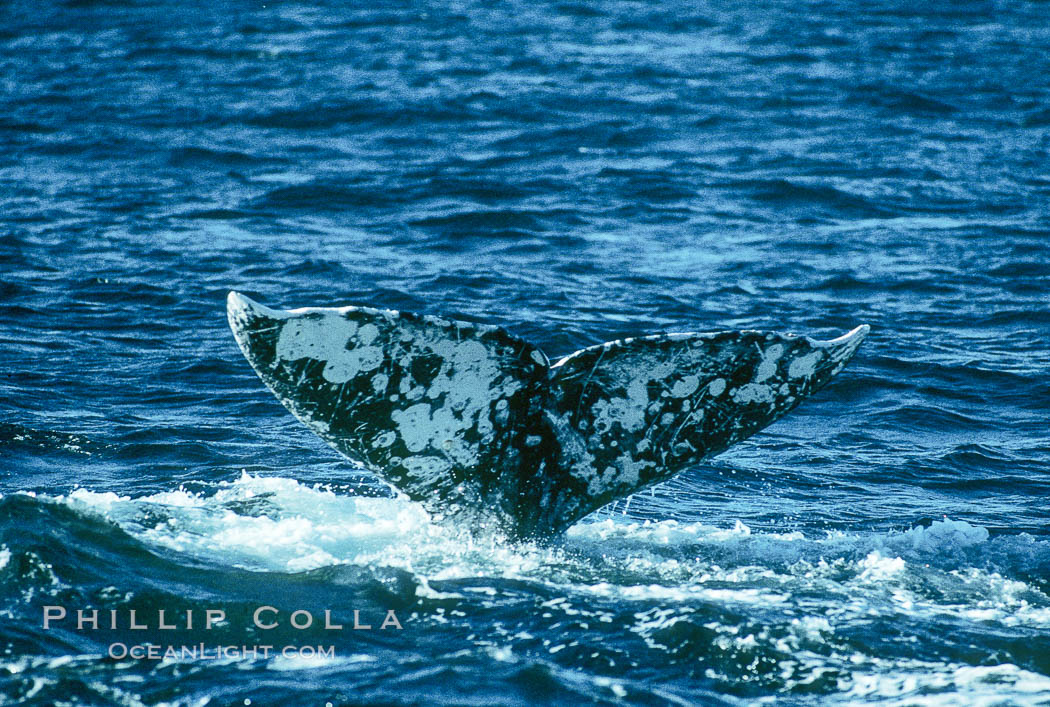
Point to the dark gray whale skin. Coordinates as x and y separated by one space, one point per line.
479 427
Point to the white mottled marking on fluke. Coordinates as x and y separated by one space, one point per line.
753 393
768 367
334 340
685 387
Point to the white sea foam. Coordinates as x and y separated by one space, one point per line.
931 684
264 523
805 587
278 524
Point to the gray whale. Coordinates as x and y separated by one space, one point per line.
478 426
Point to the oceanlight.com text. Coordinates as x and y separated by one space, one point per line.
200 651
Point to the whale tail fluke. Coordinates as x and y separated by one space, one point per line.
475 423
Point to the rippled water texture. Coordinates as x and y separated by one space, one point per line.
575 172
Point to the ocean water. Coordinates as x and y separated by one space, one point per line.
575 172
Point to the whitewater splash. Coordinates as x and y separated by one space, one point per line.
281 525
844 614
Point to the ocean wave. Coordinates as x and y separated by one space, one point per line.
819 199
18 435
281 525
746 610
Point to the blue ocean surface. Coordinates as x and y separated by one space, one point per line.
575 172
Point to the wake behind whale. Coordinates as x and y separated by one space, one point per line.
479 427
